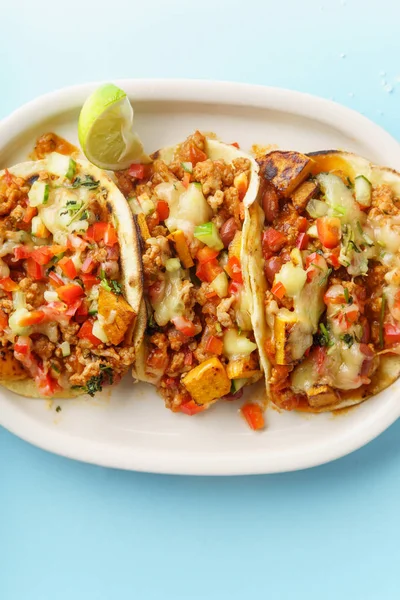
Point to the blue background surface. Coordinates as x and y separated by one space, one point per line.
69 530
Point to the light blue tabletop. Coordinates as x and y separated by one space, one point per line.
74 531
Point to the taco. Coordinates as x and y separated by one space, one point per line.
327 287
70 279
191 206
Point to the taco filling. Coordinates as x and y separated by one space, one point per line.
331 246
189 205
64 319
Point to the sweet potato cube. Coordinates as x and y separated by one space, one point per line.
285 170
321 395
243 368
208 381
303 194
117 315
182 248
235 246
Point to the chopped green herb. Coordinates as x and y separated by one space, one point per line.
348 339
325 278
346 294
55 368
319 251
88 182
58 409
381 319
339 210
349 183
116 287
106 370
317 266
94 384
355 247
325 338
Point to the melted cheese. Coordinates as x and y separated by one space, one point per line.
187 208
56 215
171 304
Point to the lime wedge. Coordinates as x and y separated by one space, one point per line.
105 130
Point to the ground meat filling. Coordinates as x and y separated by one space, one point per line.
173 352
58 289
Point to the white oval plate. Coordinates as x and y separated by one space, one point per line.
129 427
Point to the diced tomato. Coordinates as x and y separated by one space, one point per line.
320 359
156 291
102 231
190 408
188 357
33 318
302 241
184 325
391 333
205 254
70 292
234 269
67 267
30 212
333 257
196 155
278 290
208 271
272 240
214 345
73 307
163 210
254 416
186 179
329 231
86 333
3 319
22 252
316 265
22 345
351 315
335 295
82 312
302 224
110 236
55 280
47 386
137 171
42 255
34 270
235 144
89 281
74 242
8 285
234 288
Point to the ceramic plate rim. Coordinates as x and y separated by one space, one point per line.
205 92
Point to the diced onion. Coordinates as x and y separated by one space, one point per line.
65 348
316 208
173 264
99 332
50 296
